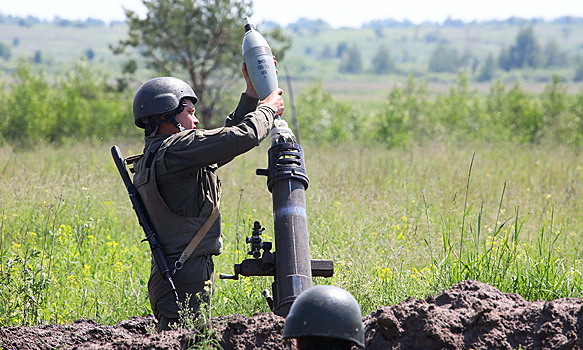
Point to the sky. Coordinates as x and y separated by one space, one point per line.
338 13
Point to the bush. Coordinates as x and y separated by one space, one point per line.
81 105
38 57
458 114
444 59
404 114
26 107
325 120
523 115
412 114
78 106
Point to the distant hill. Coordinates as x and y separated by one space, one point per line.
320 51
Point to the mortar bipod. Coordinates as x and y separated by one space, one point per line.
263 264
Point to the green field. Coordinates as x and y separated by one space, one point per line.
397 223
417 180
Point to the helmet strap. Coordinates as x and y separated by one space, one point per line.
172 117
172 120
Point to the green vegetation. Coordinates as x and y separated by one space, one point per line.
419 179
5 52
411 114
444 59
351 61
429 50
408 218
526 52
78 106
397 223
81 105
382 63
487 70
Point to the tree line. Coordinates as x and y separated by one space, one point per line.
525 52
412 114
82 105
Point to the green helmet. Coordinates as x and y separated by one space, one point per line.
160 95
325 311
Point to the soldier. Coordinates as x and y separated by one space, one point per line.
177 181
325 318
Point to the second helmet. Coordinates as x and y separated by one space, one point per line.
325 311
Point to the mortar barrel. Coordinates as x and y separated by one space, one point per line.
293 262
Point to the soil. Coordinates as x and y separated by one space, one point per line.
470 315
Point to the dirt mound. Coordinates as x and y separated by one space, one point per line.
470 315
262 331
473 315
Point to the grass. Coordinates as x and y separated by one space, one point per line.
397 223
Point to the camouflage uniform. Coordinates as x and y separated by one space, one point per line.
180 189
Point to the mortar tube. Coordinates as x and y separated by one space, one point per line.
292 248
293 262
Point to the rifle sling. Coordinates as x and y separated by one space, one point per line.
153 149
197 238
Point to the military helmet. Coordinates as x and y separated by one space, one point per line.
325 311
160 95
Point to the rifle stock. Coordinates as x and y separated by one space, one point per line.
143 219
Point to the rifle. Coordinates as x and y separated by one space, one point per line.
143 219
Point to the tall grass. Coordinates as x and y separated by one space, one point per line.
392 221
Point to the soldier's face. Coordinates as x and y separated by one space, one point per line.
187 118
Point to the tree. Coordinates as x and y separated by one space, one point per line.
378 32
326 52
38 57
351 61
578 72
5 51
200 39
466 58
444 59
313 26
341 49
90 54
553 56
504 60
382 63
525 52
487 70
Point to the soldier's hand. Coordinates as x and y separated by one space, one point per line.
275 99
250 91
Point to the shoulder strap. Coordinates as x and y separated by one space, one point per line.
197 238
152 152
